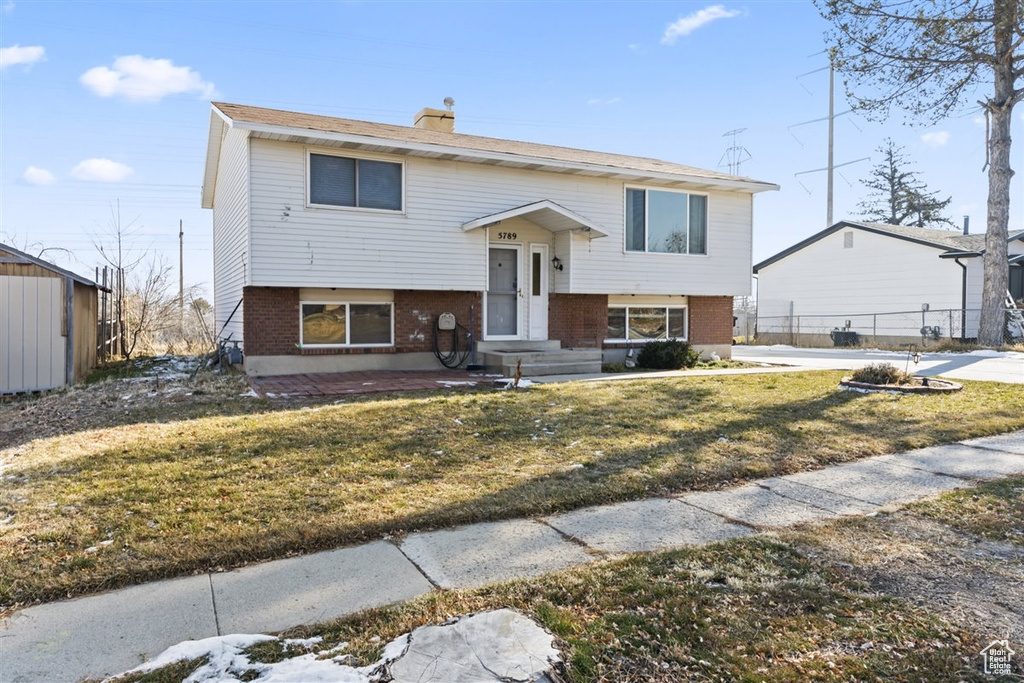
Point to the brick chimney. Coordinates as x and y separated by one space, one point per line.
435 119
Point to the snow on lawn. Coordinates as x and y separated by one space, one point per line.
226 661
501 645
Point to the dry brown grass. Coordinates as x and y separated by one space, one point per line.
220 481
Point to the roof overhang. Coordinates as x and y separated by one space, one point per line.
20 257
949 251
545 213
453 153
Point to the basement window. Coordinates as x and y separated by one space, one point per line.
644 323
351 182
347 324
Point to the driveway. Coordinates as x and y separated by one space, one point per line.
990 366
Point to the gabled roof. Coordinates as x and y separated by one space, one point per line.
945 240
545 213
381 137
17 256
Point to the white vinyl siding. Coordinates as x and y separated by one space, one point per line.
425 247
879 274
32 346
230 235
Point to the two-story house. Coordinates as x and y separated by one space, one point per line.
338 243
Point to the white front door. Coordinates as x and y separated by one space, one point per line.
504 320
538 296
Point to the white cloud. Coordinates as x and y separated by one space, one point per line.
684 26
598 101
34 175
101 170
8 6
140 79
635 47
16 54
937 138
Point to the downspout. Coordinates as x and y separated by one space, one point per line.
963 301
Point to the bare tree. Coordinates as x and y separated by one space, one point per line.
898 197
117 246
929 57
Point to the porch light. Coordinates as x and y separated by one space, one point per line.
556 263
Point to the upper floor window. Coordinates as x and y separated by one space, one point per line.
363 183
667 222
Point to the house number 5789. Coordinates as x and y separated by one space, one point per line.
506 235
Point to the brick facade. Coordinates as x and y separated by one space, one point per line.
272 319
710 319
578 320
271 323
416 314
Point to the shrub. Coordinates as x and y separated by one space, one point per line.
882 373
667 355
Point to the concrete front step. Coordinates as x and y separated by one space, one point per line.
508 357
536 363
541 369
518 345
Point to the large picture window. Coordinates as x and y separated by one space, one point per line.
666 222
641 323
346 324
362 183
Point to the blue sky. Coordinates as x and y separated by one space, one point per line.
105 104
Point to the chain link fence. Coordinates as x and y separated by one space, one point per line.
921 328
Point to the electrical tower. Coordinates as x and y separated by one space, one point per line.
736 154
831 118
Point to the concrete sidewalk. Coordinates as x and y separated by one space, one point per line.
102 635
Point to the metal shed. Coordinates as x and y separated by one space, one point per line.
48 319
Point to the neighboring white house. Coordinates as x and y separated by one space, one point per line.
338 244
891 283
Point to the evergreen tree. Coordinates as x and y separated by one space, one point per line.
897 196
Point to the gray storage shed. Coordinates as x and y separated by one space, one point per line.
48 319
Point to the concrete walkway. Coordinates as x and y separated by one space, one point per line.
105 634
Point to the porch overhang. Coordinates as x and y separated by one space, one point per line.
545 213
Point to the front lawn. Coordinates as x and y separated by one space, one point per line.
178 489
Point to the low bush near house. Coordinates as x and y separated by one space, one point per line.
667 355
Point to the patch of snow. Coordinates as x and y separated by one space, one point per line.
510 383
455 383
249 394
477 645
987 353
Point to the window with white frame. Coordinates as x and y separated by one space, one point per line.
347 324
667 222
642 323
362 183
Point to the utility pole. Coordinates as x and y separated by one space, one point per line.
181 276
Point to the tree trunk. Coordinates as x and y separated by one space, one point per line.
1000 109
